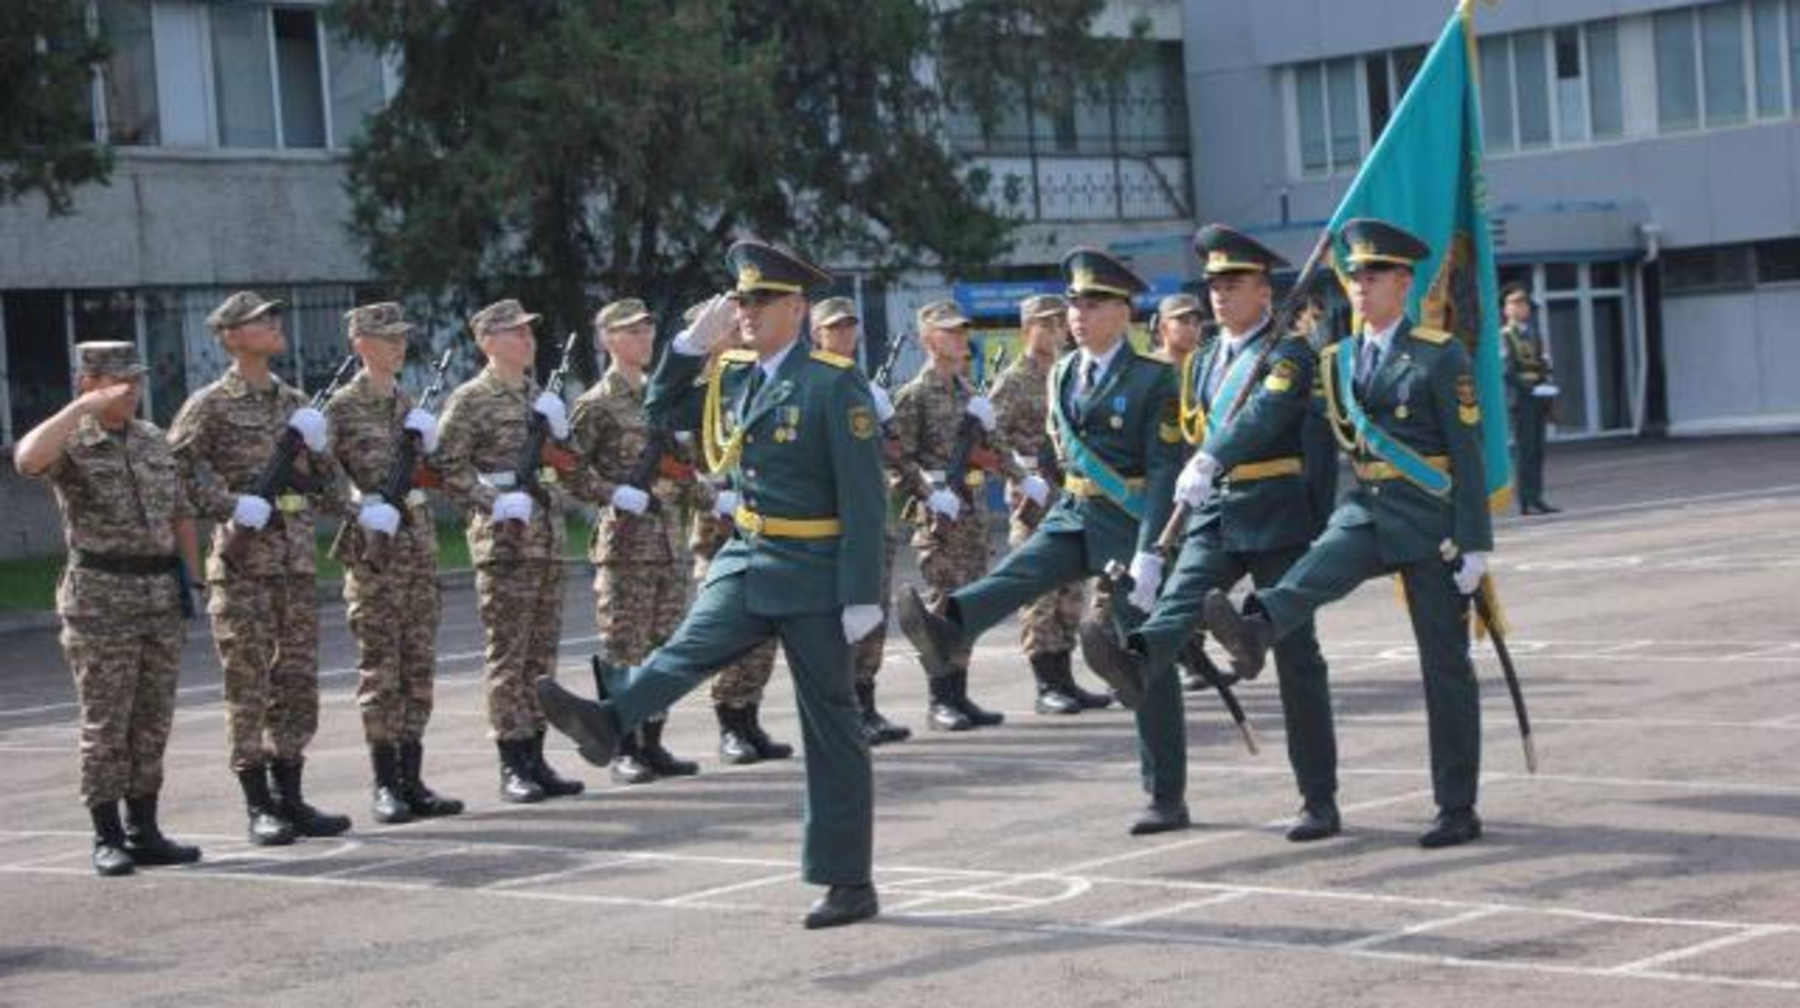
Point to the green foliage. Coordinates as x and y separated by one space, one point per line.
47 143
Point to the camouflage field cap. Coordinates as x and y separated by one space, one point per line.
109 359
1178 305
383 319
623 312
1040 306
239 309
501 315
942 315
833 310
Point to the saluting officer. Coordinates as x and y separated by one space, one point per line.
1402 401
799 435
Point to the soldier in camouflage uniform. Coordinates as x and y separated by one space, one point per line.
121 597
835 330
390 565
640 583
950 532
263 604
1021 408
516 538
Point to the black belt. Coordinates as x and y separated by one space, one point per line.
124 563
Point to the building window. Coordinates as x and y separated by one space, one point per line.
1606 107
1766 34
1677 72
1708 270
1496 95
1309 88
1571 97
1778 261
297 71
1532 76
1722 57
128 80
357 87
1328 115
242 78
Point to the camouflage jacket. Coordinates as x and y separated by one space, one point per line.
223 437
608 432
119 495
480 436
928 413
1022 409
365 438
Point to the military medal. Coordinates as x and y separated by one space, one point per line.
1401 412
1118 419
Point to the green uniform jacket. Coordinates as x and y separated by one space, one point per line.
811 450
1260 515
1424 396
1130 422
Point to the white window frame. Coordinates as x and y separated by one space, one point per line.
1296 143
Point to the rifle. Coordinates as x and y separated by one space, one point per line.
401 475
884 375
278 475
971 454
1047 465
539 446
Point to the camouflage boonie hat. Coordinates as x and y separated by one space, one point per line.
623 312
383 319
501 315
1040 306
239 309
109 359
942 315
1177 305
833 310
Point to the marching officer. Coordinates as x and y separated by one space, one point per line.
1530 390
125 516
1119 438
516 538
1246 400
263 597
798 433
1403 402
390 565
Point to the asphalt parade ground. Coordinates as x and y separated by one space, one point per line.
1653 860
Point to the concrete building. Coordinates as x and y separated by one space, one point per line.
1641 174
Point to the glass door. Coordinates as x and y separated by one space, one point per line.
1589 321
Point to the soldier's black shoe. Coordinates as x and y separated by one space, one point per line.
144 839
1118 666
843 905
1161 817
288 776
423 801
517 784
979 716
387 804
877 730
1055 684
595 731
266 827
934 636
945 714
735 747
1089 700
766 747
554 784
1452 829
659 758
1316 821
1542 508
630 768
1246 638
110 858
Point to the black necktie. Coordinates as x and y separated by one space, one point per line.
1366 368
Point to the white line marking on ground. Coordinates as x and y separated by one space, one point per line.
1435 924
1699 948
702 895
1169 911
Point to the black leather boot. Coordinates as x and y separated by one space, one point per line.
518 786
554 784
766 747
877 730
945 714
628 765
110 858
144 839
387 804
735 747
661 760
843 905
423 801
267 826
288 792
979 717
1051 670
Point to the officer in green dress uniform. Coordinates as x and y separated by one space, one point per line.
797 432
1402 402
1245 402
1116 417
1530 389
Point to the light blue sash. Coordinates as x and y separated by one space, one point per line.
1386 447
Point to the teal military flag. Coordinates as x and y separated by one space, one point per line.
1425 175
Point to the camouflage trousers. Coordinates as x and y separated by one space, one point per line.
1049 623
521 610
636 607
393 612
952 555
125 683
266 630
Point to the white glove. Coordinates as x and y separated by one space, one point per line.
630 500
1034 487
727 504
1194 487
310 424
1146 578
513 505
981 409
859 620
423 424
380 517
1546 391
251 512
945 502
884 406
1469 571
709 327
554 412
